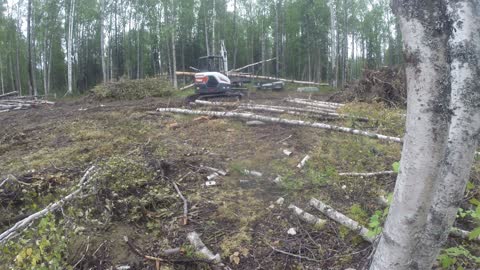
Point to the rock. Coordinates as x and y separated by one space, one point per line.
271 206
255 123
287 152
344 187
308 89
280 201
292 231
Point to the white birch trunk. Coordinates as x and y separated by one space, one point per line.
174 51
283 121
102 40
463 131
442 122
307 217
1 76
70 47
333 36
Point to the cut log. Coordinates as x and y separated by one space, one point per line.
313 104
332 104
22 224
15 93
251 65
282 121
307 217
279 109
368 174
303 162
200 247
342 219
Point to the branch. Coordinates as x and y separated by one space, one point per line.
367 174
307 217
185 204
200 247
342 219
281 121
13 231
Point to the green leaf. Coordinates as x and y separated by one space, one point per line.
475 202
396 167
474 234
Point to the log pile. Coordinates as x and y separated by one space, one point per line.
11 102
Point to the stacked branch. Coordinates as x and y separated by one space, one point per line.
262 118
371 174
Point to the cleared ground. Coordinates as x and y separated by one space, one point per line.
138 155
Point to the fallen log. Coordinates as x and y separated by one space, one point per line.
14 230
251 65
281 109
342 219
282 121
200 247
371 174
15 93
315 105
320 102
307 217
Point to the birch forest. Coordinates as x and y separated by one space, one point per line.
239 134
50 46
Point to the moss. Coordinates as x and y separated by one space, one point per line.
358 214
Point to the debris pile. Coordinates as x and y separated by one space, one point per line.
386 85
13 102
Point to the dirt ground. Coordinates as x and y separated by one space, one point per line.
138 155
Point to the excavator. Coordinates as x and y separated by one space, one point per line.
212 81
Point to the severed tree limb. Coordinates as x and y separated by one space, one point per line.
282 121
200 247
313 104
251 65
185 204
14 230
332 104
293 255
342 219
368 174
307 217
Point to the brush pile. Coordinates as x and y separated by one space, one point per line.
387 85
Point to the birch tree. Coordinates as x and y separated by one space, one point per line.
442 48
70 47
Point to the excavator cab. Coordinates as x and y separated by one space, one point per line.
212 64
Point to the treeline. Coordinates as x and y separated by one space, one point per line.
52 46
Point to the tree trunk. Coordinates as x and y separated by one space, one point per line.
29 40
174 52
443 122
277 41
102 40
235 37
1 75
333 46
70 47
214 19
